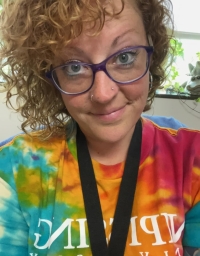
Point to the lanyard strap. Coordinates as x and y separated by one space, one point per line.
124 206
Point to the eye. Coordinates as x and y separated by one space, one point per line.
125 58
73 69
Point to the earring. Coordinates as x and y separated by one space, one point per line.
150 81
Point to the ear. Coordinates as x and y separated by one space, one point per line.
191 67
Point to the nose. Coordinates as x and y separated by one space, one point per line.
103 89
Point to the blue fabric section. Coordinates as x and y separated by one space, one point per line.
6 141
164 121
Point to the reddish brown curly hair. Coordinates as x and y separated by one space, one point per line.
33 31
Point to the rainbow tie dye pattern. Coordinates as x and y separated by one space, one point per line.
41 204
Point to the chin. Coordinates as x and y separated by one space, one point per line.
111 134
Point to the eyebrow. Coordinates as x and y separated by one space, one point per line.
75 49
115 41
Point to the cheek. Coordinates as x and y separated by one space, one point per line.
74 103
138 90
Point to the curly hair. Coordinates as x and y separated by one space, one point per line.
34 31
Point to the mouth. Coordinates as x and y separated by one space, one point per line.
110 115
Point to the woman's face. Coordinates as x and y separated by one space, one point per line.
112 113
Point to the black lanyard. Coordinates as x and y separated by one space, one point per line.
124 206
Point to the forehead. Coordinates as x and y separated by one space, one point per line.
124 30
121 12
129 20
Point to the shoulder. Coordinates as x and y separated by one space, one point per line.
167 128
164 121
24 152
172 141
30 144
22 141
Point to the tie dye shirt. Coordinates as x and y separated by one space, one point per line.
41 203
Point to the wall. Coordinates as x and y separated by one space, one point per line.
10 121
186 111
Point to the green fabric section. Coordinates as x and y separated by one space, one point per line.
192 227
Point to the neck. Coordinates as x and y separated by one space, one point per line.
109 153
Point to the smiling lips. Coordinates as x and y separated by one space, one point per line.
112 115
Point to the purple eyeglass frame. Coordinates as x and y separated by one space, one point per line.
101 67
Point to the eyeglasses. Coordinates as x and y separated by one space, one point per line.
123 67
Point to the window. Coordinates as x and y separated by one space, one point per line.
187 33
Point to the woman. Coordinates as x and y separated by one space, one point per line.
66 187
